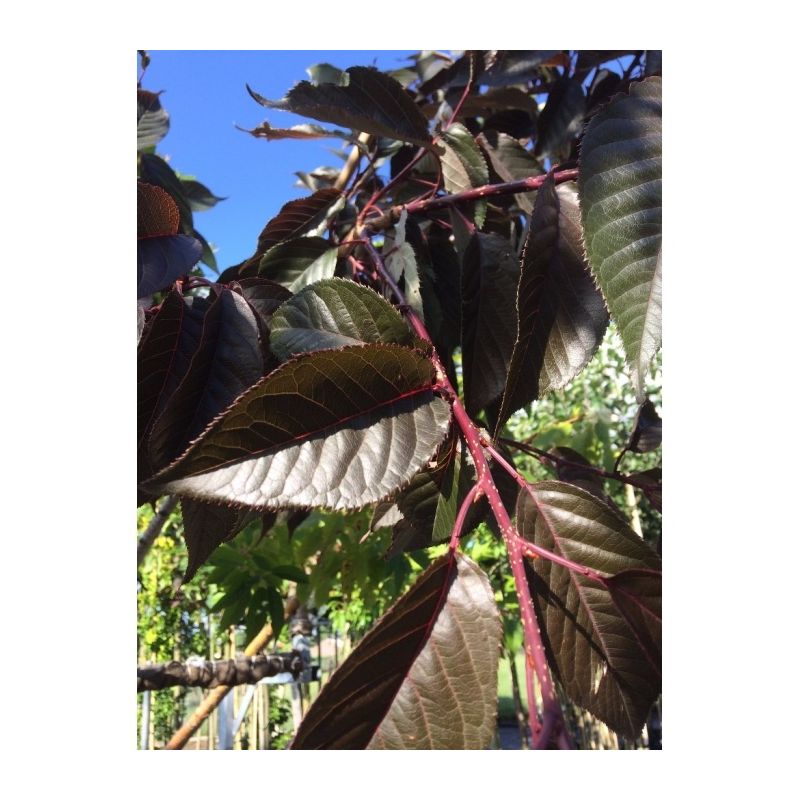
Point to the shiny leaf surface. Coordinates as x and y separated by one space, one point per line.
620 195
335 313
336 429
425 677
561 314
592 648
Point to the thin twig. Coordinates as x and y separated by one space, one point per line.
543 455
532 184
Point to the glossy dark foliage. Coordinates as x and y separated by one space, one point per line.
302 380
393 692
599 651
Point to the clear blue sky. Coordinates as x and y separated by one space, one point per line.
205 95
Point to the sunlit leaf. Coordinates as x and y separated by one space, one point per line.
337 429
561 314
425 677
152 121
299 262
297 217
593 649
620 194
335 313
463 166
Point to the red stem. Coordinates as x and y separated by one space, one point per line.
531 184
473 494
534 648
544 455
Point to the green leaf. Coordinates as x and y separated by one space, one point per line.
198 196
207 257
424 678
335 313
489 276
299 262
275 603
234 613
327 73
152 121
463 166
336 429
561 119
289 572
370 102
561 315
206 526
620 194
591 646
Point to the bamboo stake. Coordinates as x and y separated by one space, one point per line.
214 697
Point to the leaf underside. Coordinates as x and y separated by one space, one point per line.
595 652
297 217
336 429
620 194
424 678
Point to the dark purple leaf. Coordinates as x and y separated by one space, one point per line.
370 102
161 261
489 275
206 526
591 646
227 361
297 217
336 429
424 678
561 119
561 314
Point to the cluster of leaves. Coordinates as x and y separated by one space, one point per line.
294 383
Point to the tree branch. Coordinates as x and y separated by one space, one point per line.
534 647
154 528
543 456
210 674
214 697
532 184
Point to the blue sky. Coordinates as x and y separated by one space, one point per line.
205 95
